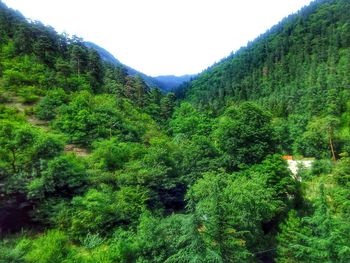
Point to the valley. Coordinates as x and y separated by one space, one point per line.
102 163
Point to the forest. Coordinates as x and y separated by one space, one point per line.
96 166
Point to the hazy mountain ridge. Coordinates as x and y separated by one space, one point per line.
165 83
171 82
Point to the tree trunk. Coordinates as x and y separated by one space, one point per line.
332 148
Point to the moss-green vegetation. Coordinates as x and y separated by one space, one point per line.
97 167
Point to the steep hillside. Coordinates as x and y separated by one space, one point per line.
58 100
306 54
299 70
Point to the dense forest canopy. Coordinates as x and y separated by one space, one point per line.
96 166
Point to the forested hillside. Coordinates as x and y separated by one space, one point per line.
298 70
95 166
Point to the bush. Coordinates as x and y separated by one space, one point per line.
321 167
4 96
110 155
29 94
10 252
48 248
47 107
29 98
92 241
14 78
100 210
64 176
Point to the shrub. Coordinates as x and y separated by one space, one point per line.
48 248
47 107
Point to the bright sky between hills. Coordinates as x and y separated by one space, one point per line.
162 37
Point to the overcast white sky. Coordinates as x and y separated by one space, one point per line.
161 37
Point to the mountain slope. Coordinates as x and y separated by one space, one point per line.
298 70
304 57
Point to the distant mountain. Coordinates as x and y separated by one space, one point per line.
164 83
171 82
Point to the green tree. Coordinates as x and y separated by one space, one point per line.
292 245
156 171
187 121
47 108
16 141
167 105
244 135
231 212
319 139
94 70
78 59
64 176
99 210
111 155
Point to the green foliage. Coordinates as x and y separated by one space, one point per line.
99 210
109 170
16 141
47 108
321 167
292 240
342 171
279 178
318 139
156 171
187 121
322 233
50 247
87 118
47 146
29 94
191 246
321 237
111 155
23 147
14 250
199 155
167 104
92 241
156 236
223 205
244 135
64 175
